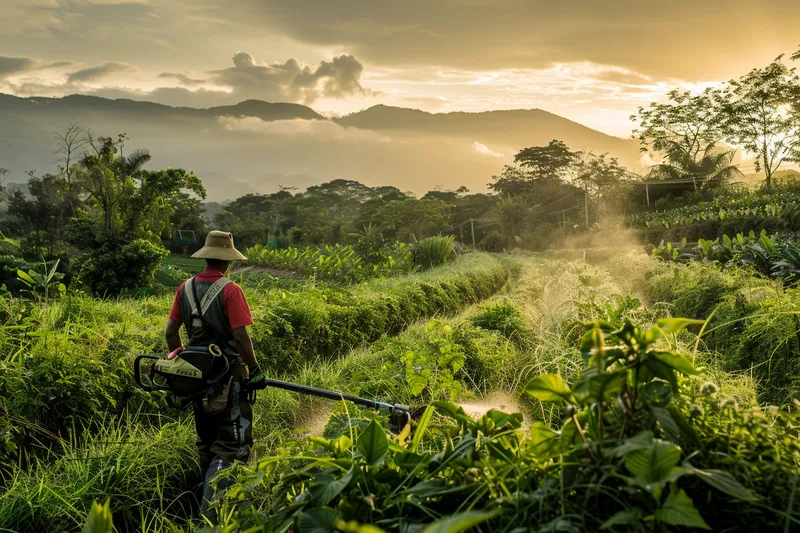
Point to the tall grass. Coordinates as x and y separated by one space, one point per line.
147 472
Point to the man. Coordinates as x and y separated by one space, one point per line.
214 309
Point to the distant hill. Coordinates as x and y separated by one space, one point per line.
517 128
293 145
80 104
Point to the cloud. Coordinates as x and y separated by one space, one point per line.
182 78
291 80
485 150
10 66
14 65
623 76
499 34
109 68
317 129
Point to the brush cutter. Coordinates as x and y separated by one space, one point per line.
399 415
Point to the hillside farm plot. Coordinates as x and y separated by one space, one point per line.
514 366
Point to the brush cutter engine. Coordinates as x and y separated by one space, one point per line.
188 376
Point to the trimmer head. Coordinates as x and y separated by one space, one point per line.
399 417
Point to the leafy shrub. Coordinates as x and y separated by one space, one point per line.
118 266
433 251
630 454
492 242
503 317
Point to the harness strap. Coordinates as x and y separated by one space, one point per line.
206 301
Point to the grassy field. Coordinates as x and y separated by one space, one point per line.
476 332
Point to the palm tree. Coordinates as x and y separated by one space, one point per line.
712 168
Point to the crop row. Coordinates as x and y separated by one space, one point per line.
335 262
769 256
784 204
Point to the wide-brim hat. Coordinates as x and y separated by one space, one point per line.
219 245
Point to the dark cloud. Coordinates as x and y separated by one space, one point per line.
15 65
291 81
107 69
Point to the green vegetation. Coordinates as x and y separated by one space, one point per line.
333 262
769 256
559 391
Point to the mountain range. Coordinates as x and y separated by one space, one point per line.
257 146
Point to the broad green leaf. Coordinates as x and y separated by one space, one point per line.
592 346
679 510
687 430
724 482
460 522
658 393
99 519
549 388
605 385
654 463
570 436
318 521
674 325
544 441
372 443
655 368
502 419
25 277
452 410
424 420
326 487
676 361
667 423
640 441
627 517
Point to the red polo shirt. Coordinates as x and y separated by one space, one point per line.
234 304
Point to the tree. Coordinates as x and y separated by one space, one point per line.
714 166
600 176
686 124
547 162
761 113
40 218
106 175
70 144
420 218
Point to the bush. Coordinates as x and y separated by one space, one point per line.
503 317
118 266
434 251
492 242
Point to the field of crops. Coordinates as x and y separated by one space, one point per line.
549 391
776 211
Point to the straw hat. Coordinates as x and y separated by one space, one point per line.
219 245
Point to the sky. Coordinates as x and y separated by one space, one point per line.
591 61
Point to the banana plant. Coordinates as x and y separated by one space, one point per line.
47 283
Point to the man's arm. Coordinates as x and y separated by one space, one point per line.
173 334
245 347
